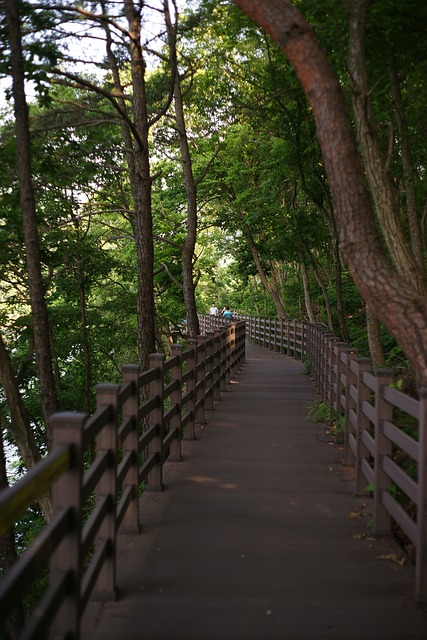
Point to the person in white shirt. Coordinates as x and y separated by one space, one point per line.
213 311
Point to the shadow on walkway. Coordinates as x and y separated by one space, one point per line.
257 534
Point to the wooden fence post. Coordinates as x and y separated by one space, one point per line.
323 350
224 364
273 332
67 428
130 523
231 346
209 353
363 393
240 345
106 442
337 370
200 379
350 408
383 412
252 322
190 389
314 353
175 397
216 365
155 476
421 543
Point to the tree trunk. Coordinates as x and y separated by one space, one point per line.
408 172
8 556
39 312
383 191
338 290
272 291
394 300
328 309
190 187
19 425
141 189
87 390
307 296
374 339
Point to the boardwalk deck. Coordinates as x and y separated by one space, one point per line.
253 536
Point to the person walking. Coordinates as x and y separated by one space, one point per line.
213 311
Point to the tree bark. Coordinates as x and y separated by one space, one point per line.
39 311
190 186
374 339
393 300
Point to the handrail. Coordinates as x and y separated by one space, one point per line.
137 426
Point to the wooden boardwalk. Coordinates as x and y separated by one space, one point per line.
258 534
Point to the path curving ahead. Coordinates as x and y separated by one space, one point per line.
258 535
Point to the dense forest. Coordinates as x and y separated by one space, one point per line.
160 156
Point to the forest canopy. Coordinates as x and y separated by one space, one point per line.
158 157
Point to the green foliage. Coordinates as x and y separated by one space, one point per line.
319 412
307 366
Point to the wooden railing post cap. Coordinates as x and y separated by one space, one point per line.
130 368
67 427
363 361
422 393
384 372
67 419
157 356
176 347
107 388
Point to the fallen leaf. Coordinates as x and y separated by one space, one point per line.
393 557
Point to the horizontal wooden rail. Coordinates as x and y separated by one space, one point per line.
137 426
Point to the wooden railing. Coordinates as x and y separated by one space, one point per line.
137 426
384 430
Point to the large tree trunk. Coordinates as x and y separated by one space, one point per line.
190 187
39 312
141 189
393 300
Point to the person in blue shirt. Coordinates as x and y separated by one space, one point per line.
227 313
